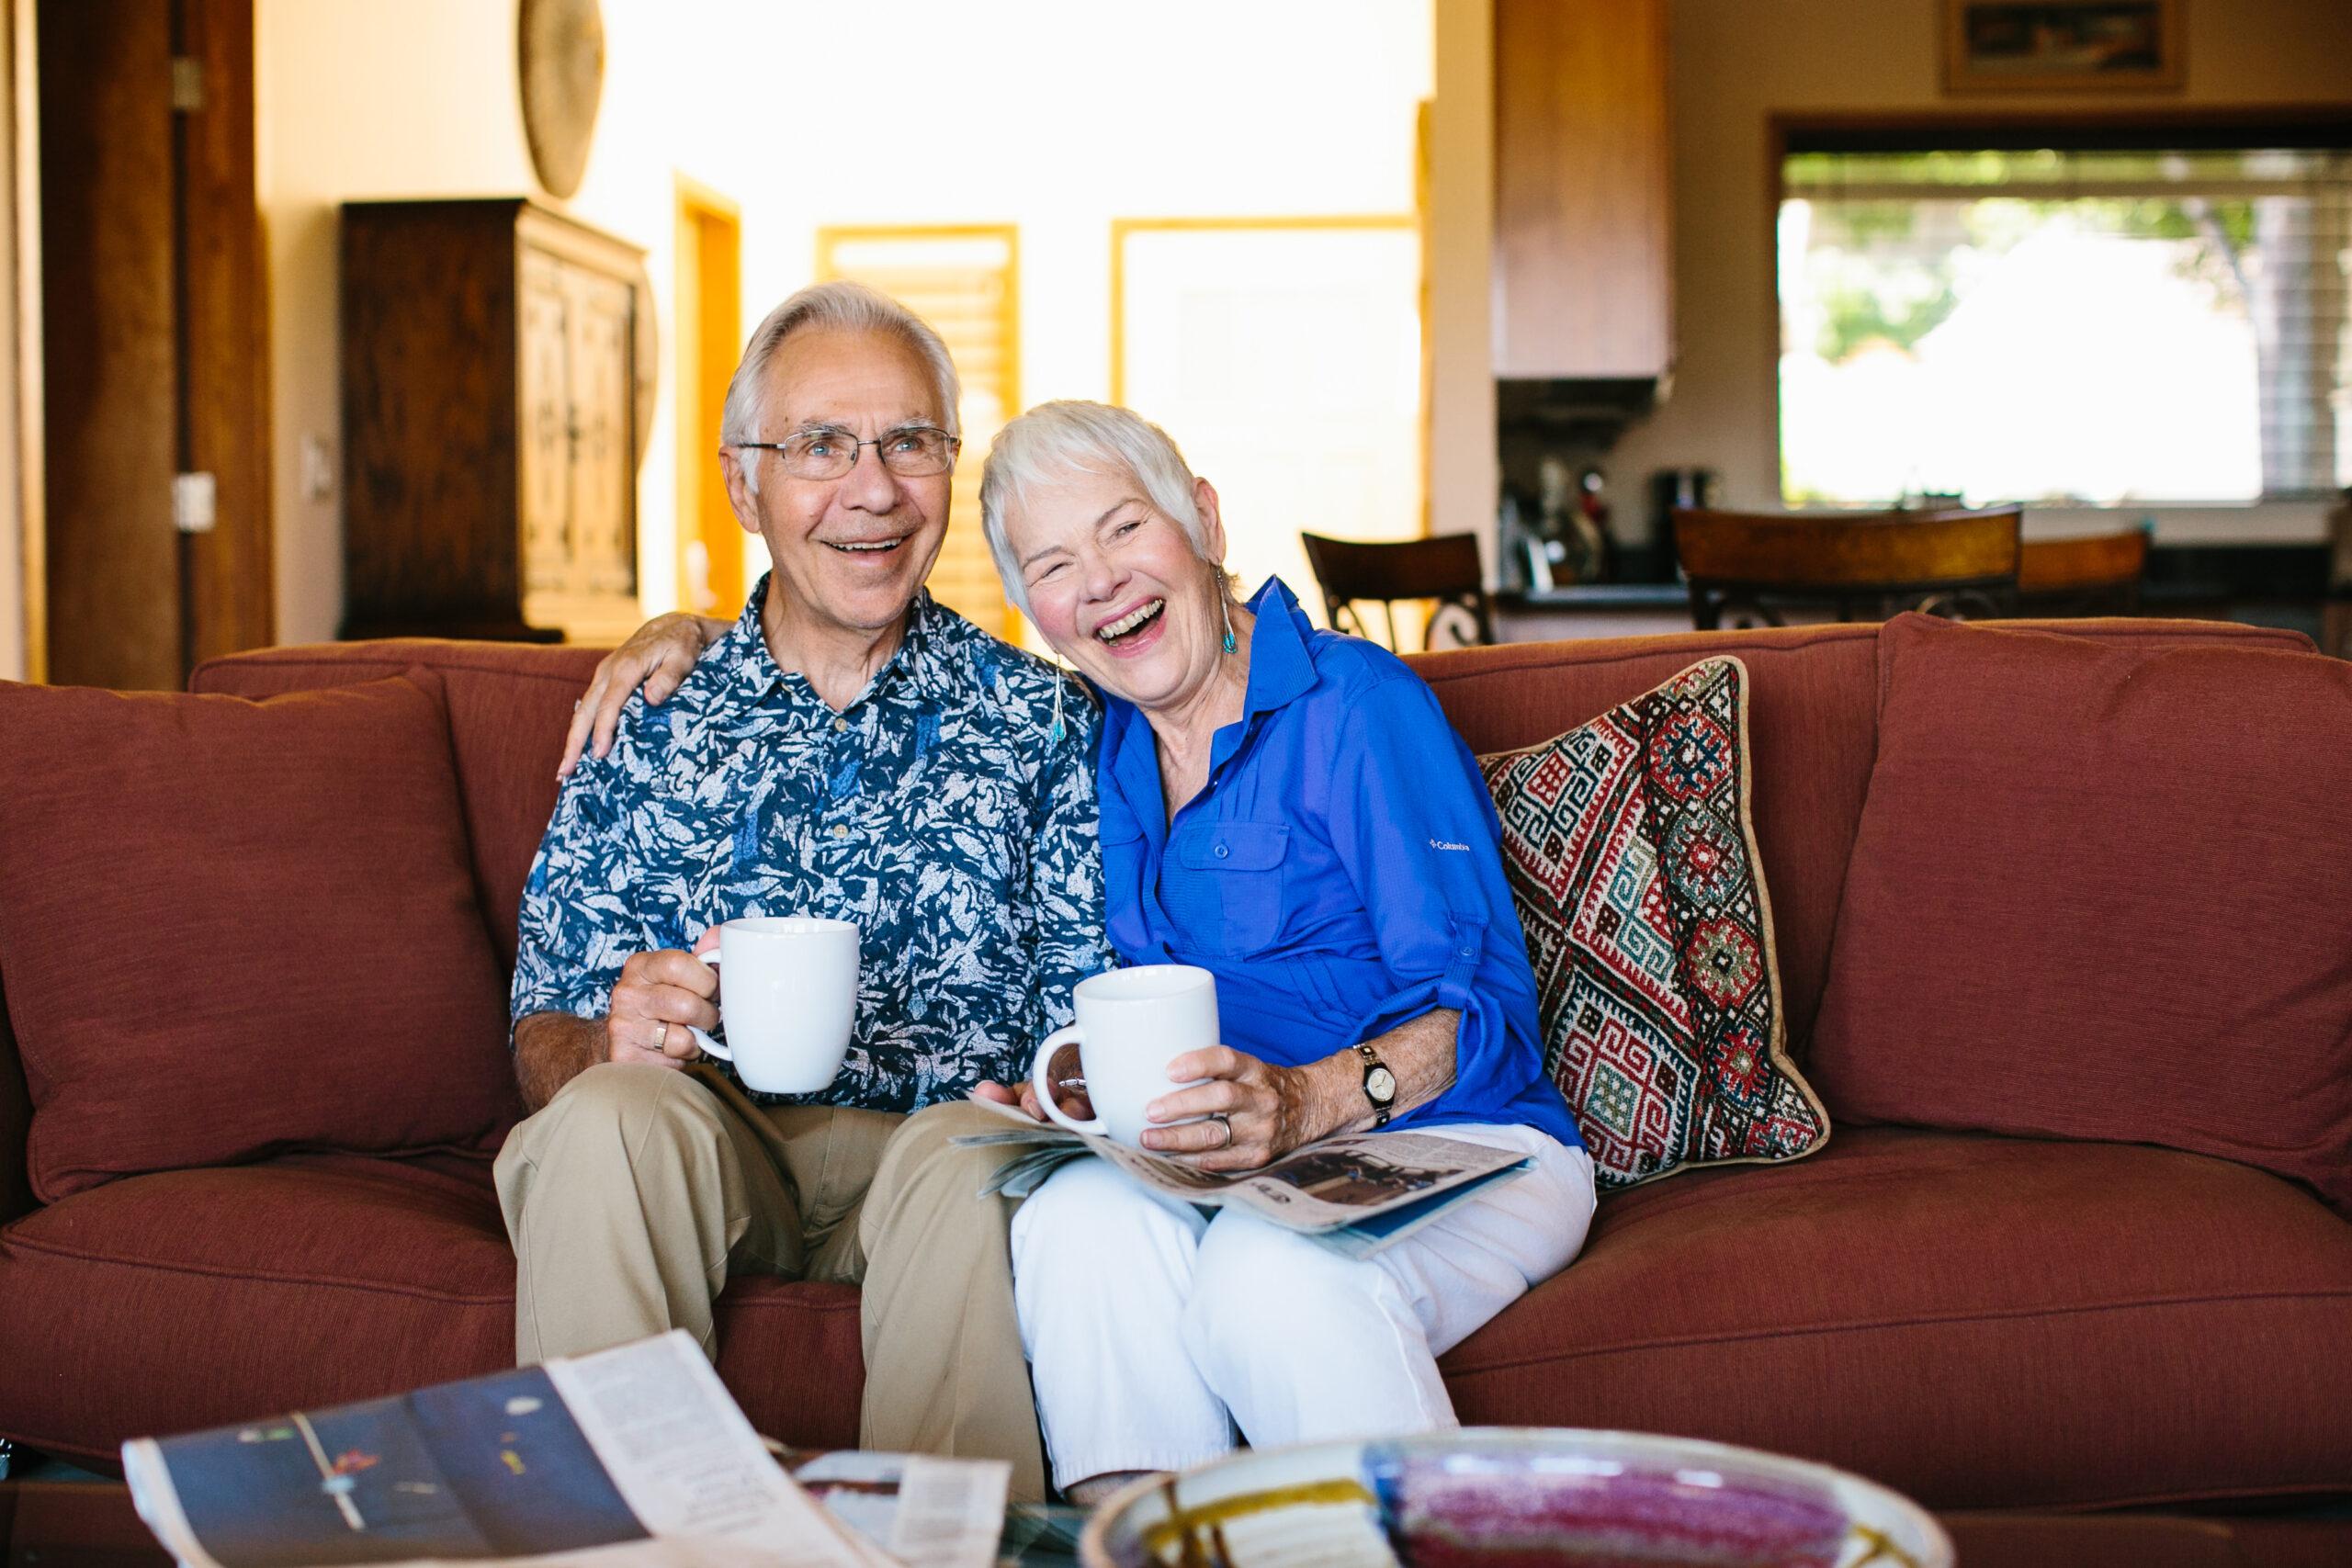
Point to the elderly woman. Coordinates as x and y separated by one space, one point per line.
1289 809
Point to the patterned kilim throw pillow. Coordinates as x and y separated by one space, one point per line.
1634 863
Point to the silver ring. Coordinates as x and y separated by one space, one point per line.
1227 1122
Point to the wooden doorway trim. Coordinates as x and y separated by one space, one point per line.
20 305
223 287
110 364
154 360
708 290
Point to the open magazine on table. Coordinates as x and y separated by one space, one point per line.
1355 1193
632 1455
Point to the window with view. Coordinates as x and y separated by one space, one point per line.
2091 327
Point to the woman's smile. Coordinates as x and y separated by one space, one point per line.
1135 631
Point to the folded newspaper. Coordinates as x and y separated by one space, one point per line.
633 1455
1355 1193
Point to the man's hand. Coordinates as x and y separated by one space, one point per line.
657 997
658 655
655 989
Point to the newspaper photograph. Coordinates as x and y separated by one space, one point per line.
1357 1192
919 1510
637 1454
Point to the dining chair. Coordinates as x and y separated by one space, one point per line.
1444 567
1750 568
2096 574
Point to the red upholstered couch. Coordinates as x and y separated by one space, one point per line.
1985 1321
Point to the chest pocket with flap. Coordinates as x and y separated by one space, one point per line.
1222 884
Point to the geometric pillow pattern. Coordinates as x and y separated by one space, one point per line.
1631 856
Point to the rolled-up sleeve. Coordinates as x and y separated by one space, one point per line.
569 948
1411 820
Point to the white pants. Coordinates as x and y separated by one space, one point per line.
1152 1330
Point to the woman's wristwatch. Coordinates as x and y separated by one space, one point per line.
1379 1084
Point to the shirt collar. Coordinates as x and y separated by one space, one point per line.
1281 669
916 661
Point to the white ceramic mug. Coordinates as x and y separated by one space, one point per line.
788 999
1131 1024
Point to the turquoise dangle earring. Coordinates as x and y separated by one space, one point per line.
1224 607
1060 731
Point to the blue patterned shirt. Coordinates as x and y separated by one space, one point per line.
936 811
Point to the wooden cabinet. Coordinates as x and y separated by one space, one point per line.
1583 255
492 422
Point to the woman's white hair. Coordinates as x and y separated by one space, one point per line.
838 306
1054 440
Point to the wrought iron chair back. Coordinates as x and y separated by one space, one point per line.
2096 574
1750 568
1445 567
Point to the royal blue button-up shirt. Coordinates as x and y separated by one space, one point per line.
1340 874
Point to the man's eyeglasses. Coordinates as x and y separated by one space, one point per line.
911 452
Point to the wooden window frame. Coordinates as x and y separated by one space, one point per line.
832 236
2187 129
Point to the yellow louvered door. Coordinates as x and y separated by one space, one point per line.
964 280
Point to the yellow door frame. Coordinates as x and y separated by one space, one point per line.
710 334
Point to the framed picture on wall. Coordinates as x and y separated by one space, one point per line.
2062 46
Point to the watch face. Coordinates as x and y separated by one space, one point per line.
1381 1085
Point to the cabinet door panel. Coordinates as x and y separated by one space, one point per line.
598 325
545 416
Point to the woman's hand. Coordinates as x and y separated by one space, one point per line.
1063 1070
1021 1097
1268 1110
658 656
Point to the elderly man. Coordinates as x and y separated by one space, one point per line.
850 749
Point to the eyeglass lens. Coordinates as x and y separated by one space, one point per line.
829 454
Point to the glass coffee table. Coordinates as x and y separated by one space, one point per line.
91 1524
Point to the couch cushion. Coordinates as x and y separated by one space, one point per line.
230 928
2102 892
1979 1322
1633 861
509 704
1811 727
191 1299
1813 724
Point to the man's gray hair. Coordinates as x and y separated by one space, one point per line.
838 306
1056 439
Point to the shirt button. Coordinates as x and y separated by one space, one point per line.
1465 950
840 726
841 830
1222 851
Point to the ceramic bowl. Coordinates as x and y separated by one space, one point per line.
1513 1498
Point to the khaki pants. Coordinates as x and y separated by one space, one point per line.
638 1189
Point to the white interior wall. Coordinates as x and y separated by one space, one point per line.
1056 114
1736 64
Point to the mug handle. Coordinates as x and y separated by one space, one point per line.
710 1047
1067 1036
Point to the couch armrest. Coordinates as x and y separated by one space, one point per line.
16 1122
